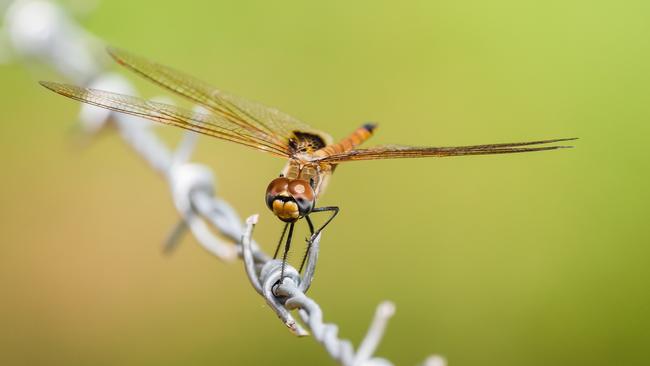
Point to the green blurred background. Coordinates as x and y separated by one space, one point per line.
531 259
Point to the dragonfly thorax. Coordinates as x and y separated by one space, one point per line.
314 173
290 199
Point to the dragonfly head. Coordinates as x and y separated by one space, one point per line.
289 199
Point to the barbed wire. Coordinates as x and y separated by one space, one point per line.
42 31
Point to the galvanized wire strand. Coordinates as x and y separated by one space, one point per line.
66 47
291 294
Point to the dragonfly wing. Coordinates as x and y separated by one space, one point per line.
278 126
208 124
399 151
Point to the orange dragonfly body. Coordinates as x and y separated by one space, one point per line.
312 154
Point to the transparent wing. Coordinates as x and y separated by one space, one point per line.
277 126
208 124
397 151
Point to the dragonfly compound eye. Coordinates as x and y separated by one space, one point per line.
304 195
290 199
280 201
277 187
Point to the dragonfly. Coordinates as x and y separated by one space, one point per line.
312 155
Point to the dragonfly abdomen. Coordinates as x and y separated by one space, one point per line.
355 139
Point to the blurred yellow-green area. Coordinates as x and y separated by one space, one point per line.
526 259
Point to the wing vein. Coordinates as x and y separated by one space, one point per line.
399 151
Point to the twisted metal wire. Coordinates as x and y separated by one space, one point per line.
40 30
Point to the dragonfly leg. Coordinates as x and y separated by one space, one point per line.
311 233
277 249
314 234
286 251
333 209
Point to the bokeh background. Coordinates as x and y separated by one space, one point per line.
532 259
